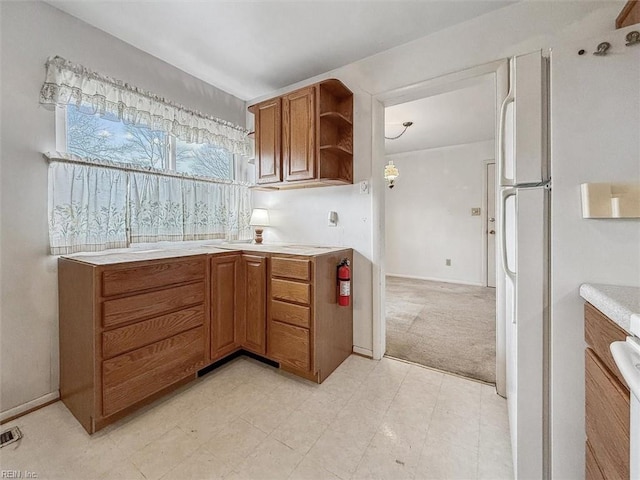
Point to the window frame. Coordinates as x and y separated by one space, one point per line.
61 145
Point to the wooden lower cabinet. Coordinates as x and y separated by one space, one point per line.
308 332
121 341
253 316
606 402
225 293
125 341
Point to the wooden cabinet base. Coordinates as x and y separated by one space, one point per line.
94 426
125 343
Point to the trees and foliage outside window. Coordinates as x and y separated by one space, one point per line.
91 136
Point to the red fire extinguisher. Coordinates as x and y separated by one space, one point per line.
344 283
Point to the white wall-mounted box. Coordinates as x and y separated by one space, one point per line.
610 200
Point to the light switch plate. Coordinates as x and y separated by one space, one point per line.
475 212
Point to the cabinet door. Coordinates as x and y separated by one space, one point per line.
268 141
299 134
253 320
224 291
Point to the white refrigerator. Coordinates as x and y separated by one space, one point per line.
523 286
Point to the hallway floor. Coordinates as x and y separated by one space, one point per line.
446 326
369 420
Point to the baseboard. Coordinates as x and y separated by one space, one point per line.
365 352
28 407
433 279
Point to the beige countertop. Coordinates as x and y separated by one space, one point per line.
138 255
620 303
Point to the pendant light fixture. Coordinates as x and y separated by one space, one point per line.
405 125
390 173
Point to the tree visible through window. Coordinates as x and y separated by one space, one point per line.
91 136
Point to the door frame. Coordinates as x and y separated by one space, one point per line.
485 217
426 88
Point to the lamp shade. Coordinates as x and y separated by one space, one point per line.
259 217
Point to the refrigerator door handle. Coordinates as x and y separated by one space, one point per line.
504 181
504 195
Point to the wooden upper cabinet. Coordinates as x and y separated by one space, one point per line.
224 289
268 139
298 135
312 139
253 319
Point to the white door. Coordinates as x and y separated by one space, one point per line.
490 226
523 231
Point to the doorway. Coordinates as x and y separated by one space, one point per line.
490 224
437 297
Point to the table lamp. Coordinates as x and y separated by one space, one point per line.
259 219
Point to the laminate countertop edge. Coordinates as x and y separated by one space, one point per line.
619 303
133 255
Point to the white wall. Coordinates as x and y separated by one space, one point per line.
517 29
592 141
31 32
428 213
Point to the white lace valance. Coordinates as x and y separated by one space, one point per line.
67 83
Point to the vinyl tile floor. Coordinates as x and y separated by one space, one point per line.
369 420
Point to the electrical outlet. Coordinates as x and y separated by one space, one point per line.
475 212
447 262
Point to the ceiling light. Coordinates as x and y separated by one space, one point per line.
405 125
390 173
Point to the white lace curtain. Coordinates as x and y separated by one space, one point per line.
67 83
92 206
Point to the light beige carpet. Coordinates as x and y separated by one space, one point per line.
446 326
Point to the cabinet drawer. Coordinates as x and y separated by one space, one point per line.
607 418
134 279
289 345
290 313
134 376
123 339
138 307
291 268
599 333
290 291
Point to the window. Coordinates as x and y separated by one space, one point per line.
126 172
203 159
92 136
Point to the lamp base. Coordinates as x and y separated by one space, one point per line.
258 237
